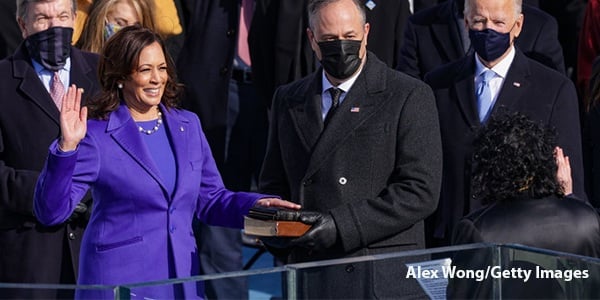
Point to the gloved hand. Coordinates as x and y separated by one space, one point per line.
322 234
79 213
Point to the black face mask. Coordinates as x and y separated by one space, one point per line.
340 58
489 44
50 47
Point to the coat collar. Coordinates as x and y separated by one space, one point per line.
81 74
516 81
123 130
360 104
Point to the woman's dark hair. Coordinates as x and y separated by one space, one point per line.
514 156
118 60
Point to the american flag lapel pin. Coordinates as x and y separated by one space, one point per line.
517 84
355 109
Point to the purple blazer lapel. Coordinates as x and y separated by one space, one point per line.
178 128
122 129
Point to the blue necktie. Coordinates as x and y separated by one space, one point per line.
484 94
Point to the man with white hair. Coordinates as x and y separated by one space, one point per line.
497 77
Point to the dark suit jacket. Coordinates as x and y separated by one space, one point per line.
559 224
205 62
530 88
29 122
10 36
374 168
433 38
280 49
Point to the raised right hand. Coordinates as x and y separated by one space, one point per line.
73 119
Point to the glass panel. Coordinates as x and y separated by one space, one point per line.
50 291
553 275
189 288
483 271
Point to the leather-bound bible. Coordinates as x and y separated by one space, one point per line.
268 221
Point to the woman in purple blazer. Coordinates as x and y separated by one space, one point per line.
150 171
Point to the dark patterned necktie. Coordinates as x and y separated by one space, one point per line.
335 102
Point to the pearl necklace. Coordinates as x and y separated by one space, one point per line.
155 128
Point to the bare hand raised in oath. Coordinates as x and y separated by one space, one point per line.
73 119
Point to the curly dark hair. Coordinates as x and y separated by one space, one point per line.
118 60
514 156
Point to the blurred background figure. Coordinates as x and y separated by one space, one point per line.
165 14
591 135
33 80
10 35
589 49
105 17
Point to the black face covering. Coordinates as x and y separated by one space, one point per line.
340 58
490 44
50 47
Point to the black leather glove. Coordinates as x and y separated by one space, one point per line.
322 234
79 213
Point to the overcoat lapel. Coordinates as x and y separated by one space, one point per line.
31 85
514 84
178 129
365 95
305 111
464 92
81 74
123 130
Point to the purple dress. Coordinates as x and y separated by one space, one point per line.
139 230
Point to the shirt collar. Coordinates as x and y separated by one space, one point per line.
501 68
40 69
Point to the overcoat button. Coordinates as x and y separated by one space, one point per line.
71 236
343 180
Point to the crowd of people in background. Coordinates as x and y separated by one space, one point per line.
444 79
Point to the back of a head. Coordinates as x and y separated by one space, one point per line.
514 156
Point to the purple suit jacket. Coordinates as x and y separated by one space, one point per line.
134 219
